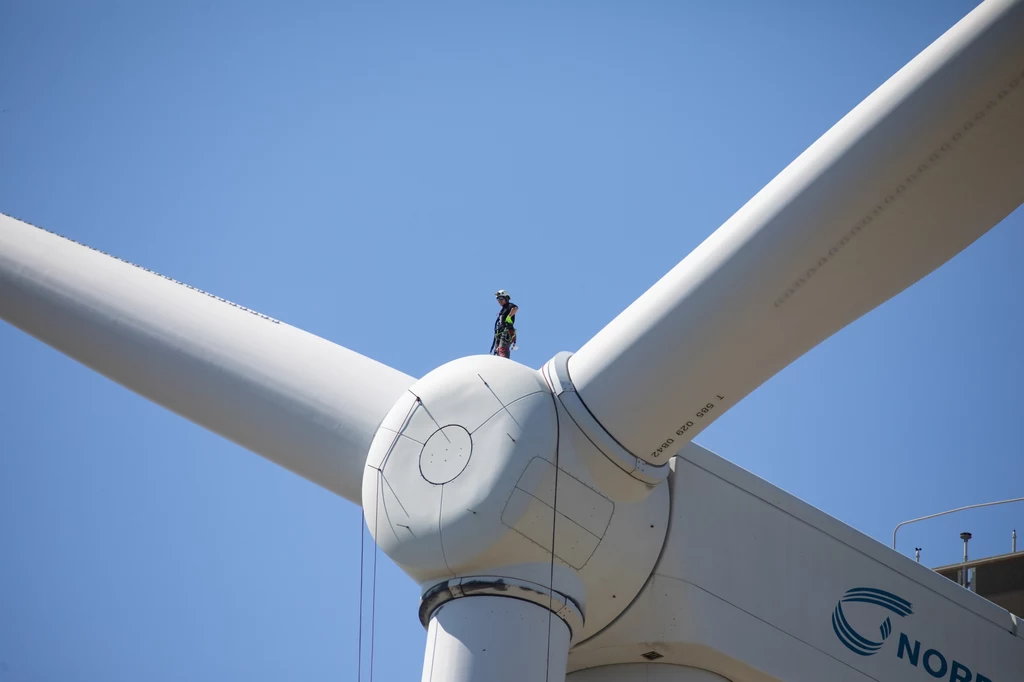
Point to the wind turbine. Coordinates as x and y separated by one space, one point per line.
556 520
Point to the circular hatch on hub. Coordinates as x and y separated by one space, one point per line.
446 454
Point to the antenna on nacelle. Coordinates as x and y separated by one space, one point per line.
966 537
964 577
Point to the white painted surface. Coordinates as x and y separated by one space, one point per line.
607 471
923 167
631 541
495 639
523 499
446 454
750 578
644 672
296 399
465 525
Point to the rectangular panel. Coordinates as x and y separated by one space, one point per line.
576 501
533 518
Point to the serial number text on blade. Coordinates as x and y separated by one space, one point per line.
699 414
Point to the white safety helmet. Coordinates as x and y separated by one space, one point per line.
501 293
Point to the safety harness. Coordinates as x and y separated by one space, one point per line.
504 328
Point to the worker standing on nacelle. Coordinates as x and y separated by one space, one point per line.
504 326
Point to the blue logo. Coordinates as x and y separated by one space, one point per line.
855 641
909 649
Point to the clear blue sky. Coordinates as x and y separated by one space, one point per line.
372 173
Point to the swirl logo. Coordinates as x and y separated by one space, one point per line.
855 641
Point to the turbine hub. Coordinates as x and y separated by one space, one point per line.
462 483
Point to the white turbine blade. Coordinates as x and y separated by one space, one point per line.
923 167
296 399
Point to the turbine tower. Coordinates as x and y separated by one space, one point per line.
561 520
